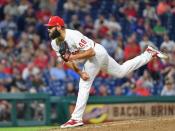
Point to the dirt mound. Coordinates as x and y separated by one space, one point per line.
149 124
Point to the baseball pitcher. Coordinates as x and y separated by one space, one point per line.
71 45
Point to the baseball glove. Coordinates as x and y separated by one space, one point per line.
64 51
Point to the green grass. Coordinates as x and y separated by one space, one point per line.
25 128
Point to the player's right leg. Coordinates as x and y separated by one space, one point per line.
92 68
118 70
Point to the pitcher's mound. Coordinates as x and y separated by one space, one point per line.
147 124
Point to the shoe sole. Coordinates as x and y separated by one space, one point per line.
160 54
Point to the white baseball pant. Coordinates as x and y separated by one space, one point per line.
93 65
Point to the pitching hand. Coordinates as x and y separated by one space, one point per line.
84 76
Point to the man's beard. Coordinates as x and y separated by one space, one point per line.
54 34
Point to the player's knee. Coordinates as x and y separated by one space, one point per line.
123 73
118 75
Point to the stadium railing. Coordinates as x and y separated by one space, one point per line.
62 105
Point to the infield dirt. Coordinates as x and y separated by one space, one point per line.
149 124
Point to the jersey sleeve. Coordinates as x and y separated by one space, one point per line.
81 41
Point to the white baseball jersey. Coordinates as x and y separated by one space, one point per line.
78 42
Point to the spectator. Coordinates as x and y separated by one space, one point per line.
128 85
37 83
149 31
141 91
118 91
139 28
30 16
75 23
145 80
130 9
71 5
103 90
154 68
172 57
4 110
101 21
23 6
150 13
119 53
18 82
102 74
113 25
84 6
88 26
167 44
56 71
11 8
128 26
70 89
5 77
145 42
162 8
41 59
168 89
159 29
3 42
30 70
103 30
131 49
109 43
8 25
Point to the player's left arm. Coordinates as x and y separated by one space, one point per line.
83 55
72 65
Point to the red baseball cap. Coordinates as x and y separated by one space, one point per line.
55 21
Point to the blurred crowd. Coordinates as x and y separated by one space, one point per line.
124 27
